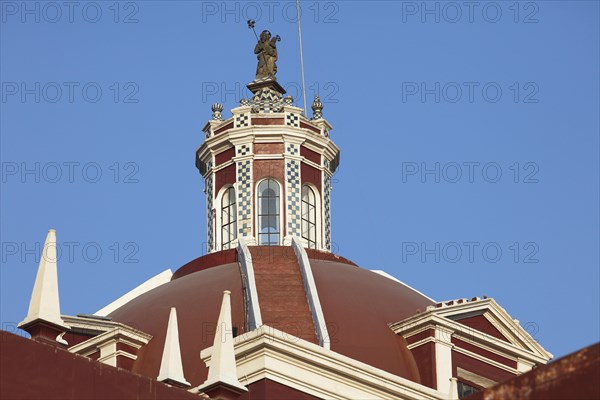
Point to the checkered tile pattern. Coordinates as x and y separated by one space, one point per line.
242 120
209 213
243 150
244 197
294 203
292 149
327 209
292 119
267 101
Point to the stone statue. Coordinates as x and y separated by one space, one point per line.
266 52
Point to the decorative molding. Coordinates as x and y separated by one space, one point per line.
441 316
268 353
312 294
475 378
106 344
486 360
253 315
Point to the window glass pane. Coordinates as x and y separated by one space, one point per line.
268 212
309 216
228 218
263 239
312 214
262 186
272 205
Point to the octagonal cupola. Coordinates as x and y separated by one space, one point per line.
267 168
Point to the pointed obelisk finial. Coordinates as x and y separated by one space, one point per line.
43 321
222 381
171 367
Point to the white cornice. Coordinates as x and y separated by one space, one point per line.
269 133
440 317
91 325
307 367
131 336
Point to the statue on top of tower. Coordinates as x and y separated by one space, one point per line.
266 52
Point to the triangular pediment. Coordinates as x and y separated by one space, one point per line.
487 317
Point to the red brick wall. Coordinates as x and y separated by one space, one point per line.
226 176
310 155
425 359
32 370
224 156
268 148
478 367
480 323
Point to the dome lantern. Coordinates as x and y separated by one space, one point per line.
267 168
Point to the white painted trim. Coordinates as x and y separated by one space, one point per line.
92 326
528 350
129 336
268 353
267 134
319 210
312 295
466 333
486 360
253 314
385 274
504 322
443 359
475 378
218 207
421 342
152 283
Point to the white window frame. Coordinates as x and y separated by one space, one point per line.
219 220
282 228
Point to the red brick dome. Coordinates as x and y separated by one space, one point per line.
357 305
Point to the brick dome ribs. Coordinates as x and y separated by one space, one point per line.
357 305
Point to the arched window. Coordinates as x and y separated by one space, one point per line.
268 213
228 218
309 216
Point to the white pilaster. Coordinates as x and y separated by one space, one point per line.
44 304
171 367
443 359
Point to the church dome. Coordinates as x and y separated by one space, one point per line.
357 305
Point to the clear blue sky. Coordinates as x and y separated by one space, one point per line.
462 93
